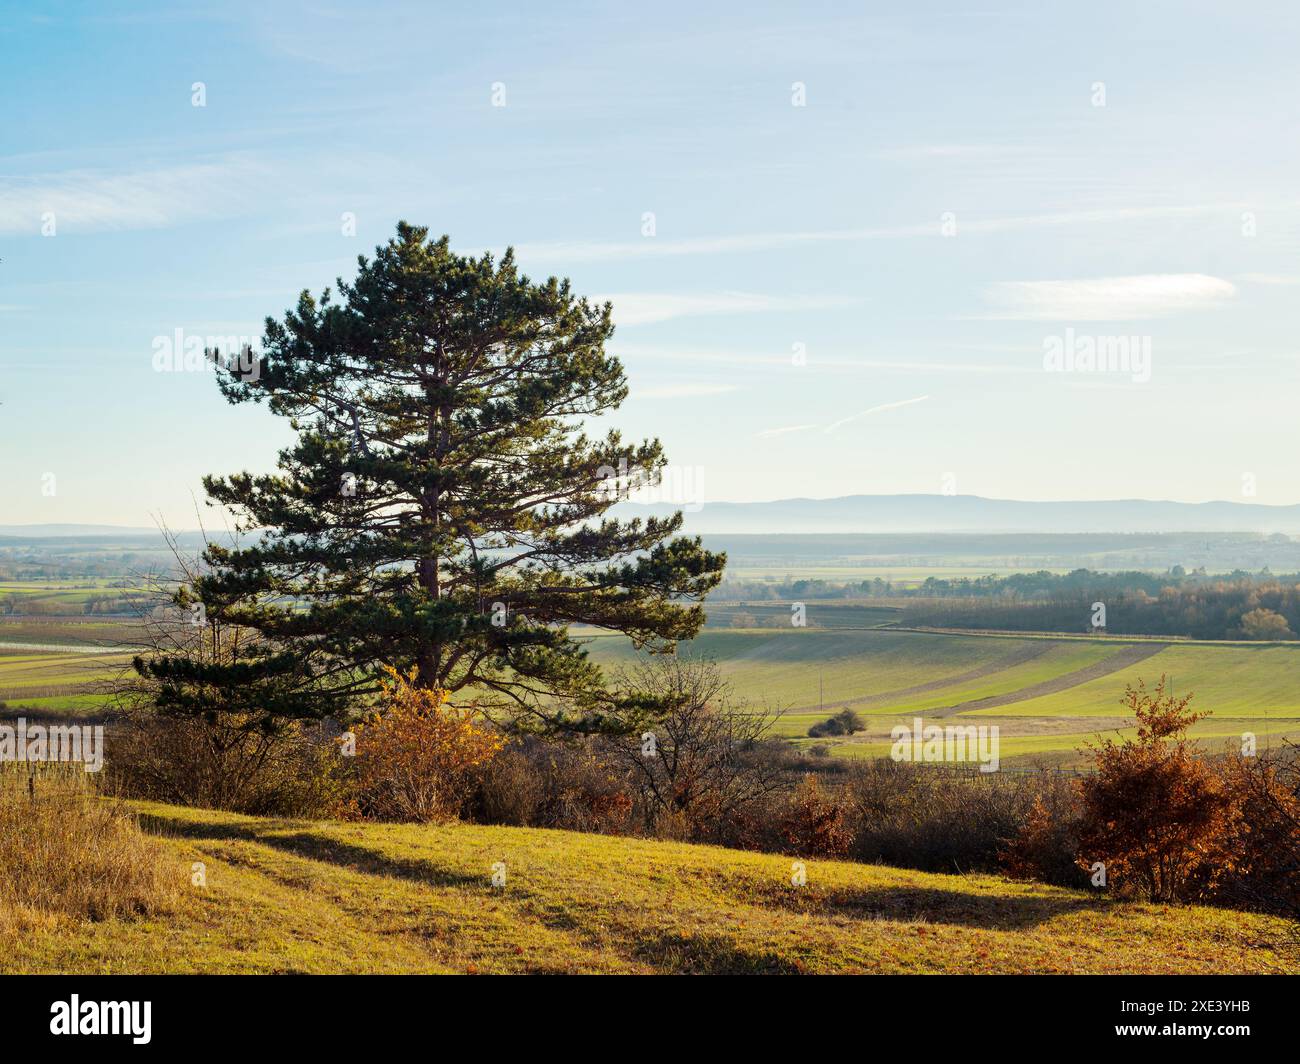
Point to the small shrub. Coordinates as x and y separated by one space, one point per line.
1046 845
1264 836
572 787
845 722
712 760
234 762
416 756
815 824
926 817
1154 813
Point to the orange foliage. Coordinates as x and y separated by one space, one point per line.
814 825
1029 853
1154 813
416 756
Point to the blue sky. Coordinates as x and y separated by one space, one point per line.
947 202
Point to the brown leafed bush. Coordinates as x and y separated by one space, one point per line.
1046 846
1264 835
233 762
921 816
416 755
570 786
1154 813
815 823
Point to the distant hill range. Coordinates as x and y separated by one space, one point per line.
972 513
73 531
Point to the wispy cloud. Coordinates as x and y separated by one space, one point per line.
925 152
87 200
1107 298
641 308
759 359
835 426
661 247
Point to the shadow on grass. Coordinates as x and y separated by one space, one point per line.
317 848
937 906
708 954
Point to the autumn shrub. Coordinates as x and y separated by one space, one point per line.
245 764
939 820
572 786
1046 845
815 822
701 762
416 755
845 722
1154 813
1263 837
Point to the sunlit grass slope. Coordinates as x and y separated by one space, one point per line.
284 896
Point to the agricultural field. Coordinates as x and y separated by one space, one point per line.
301 896
55 683
1048 695
818 614
65 597
54 656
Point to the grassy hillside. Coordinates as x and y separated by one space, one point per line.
287 896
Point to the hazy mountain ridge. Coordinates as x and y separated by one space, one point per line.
973 513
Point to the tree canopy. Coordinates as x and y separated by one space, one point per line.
443 507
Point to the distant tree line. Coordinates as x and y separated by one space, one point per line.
1196 604
1237 606
800 590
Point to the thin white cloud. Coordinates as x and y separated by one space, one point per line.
85 200
1107 298
641 308
764 360
661 247
834 426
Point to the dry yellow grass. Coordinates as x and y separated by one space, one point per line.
68 855
301 896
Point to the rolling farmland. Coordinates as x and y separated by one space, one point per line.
1048 694
52 663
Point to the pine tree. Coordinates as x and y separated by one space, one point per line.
442 507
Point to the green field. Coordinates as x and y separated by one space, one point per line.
1234 681
1048 694
890 676
297 896
56 683
62 596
